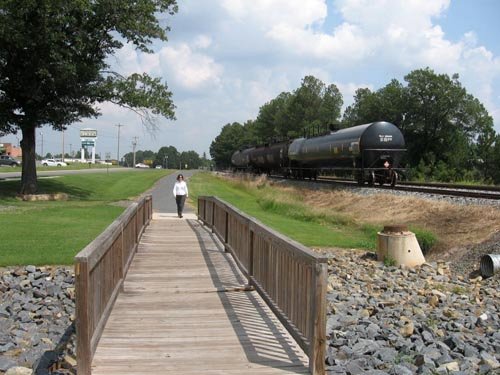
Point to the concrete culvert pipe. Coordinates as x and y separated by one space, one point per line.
490 263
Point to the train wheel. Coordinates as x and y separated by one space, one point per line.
371 178
394 178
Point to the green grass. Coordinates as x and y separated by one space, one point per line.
287 214
54 232
72 166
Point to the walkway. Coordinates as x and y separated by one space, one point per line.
182 312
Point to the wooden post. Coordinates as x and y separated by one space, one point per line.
83 335
123 261
317 341
226 227
250 254
213 216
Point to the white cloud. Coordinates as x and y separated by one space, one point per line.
226 58
203 41
267 13
128 60
189 69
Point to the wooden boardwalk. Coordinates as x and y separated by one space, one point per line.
181 312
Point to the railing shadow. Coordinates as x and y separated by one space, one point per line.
262 337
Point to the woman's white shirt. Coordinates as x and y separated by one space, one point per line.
180 188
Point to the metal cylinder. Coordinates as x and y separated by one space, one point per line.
490 263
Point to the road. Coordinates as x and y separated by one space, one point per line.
61 172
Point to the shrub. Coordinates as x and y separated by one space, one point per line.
426 239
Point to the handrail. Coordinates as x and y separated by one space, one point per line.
100 269
290 277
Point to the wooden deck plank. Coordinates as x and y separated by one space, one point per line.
179 313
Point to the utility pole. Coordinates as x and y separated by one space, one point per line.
134 143
118 152
41 133
62 155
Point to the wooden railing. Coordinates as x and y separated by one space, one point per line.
100 269
291 278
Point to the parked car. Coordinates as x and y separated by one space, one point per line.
141 165
158 167
53 163
7 160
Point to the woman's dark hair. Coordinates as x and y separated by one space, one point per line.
179 177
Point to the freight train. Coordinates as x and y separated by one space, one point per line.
372 153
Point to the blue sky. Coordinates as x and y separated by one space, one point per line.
226 58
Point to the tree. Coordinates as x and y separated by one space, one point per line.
54 68
273 120
495 160
287 115
442 121
191 159
167 157
386 104
313 104
230 139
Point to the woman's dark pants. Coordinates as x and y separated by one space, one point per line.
180 199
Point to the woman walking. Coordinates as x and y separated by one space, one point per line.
180 193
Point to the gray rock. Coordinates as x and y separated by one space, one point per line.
400 370
470 351
354 368
6 347
386 355
18 370
6 363
365 347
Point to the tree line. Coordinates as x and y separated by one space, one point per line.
168 157
448 132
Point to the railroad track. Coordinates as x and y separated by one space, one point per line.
465 191
481 192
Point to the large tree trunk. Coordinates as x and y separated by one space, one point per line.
29 183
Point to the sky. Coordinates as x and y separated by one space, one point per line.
226 58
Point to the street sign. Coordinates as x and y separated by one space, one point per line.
88 133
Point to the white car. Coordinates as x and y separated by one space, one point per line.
141 165
53 163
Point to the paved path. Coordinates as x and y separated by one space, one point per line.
163 199
179 312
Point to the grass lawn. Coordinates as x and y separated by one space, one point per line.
72 166
286 213
41 233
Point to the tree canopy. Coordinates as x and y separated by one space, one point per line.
54 68
167 157
231 138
